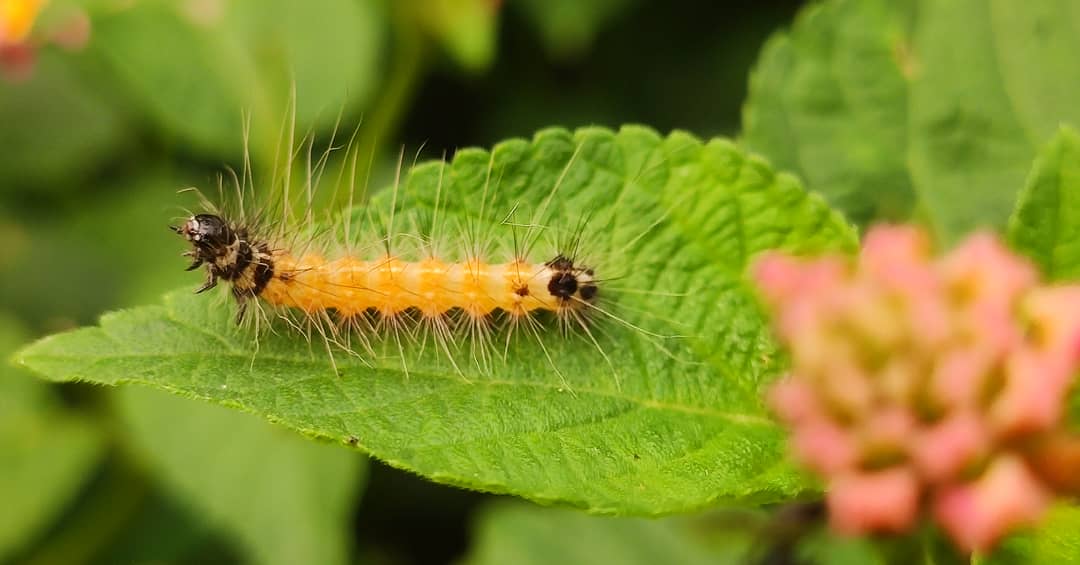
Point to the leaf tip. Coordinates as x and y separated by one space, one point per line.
24 357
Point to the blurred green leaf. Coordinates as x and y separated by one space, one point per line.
466 29
825 548
114 241
829 100
569 27
652 426
864 98
47 453
286 500
531 535
509 532
164 530
985 100
56 127
196 66
1046 223
1055 542
127 230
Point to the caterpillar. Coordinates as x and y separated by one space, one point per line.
358 288
387 286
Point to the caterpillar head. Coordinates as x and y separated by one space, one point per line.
213 242
206 232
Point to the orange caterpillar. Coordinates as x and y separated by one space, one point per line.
388 286
403 288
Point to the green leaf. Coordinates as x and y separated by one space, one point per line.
863 99
829 101
46 452
1055 542
985 102
285 499
42 151
509 532
165 530
569 27
653 425
465 29
531 535
43 248
826 548
1046 223
196 66
971 148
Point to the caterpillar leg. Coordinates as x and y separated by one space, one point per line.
195 262
211 282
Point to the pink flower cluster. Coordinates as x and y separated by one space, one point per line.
924 385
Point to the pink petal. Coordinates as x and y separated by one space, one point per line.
960 374
929 318
886 435
992 324
983 267
887 246
879 501
777 275
794 400
1033 397
978 514
800 320
17 61
944 450
824 447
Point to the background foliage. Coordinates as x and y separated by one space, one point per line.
878 105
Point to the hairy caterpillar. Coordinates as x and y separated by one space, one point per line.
356 288
386 285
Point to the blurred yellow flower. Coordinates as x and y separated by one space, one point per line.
17 18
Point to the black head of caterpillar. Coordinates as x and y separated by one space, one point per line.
229 254
570 282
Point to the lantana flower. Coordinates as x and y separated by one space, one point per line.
925 386
68 27
16 19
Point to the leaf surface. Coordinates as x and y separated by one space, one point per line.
667 418
214 62
1046 223
829 101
